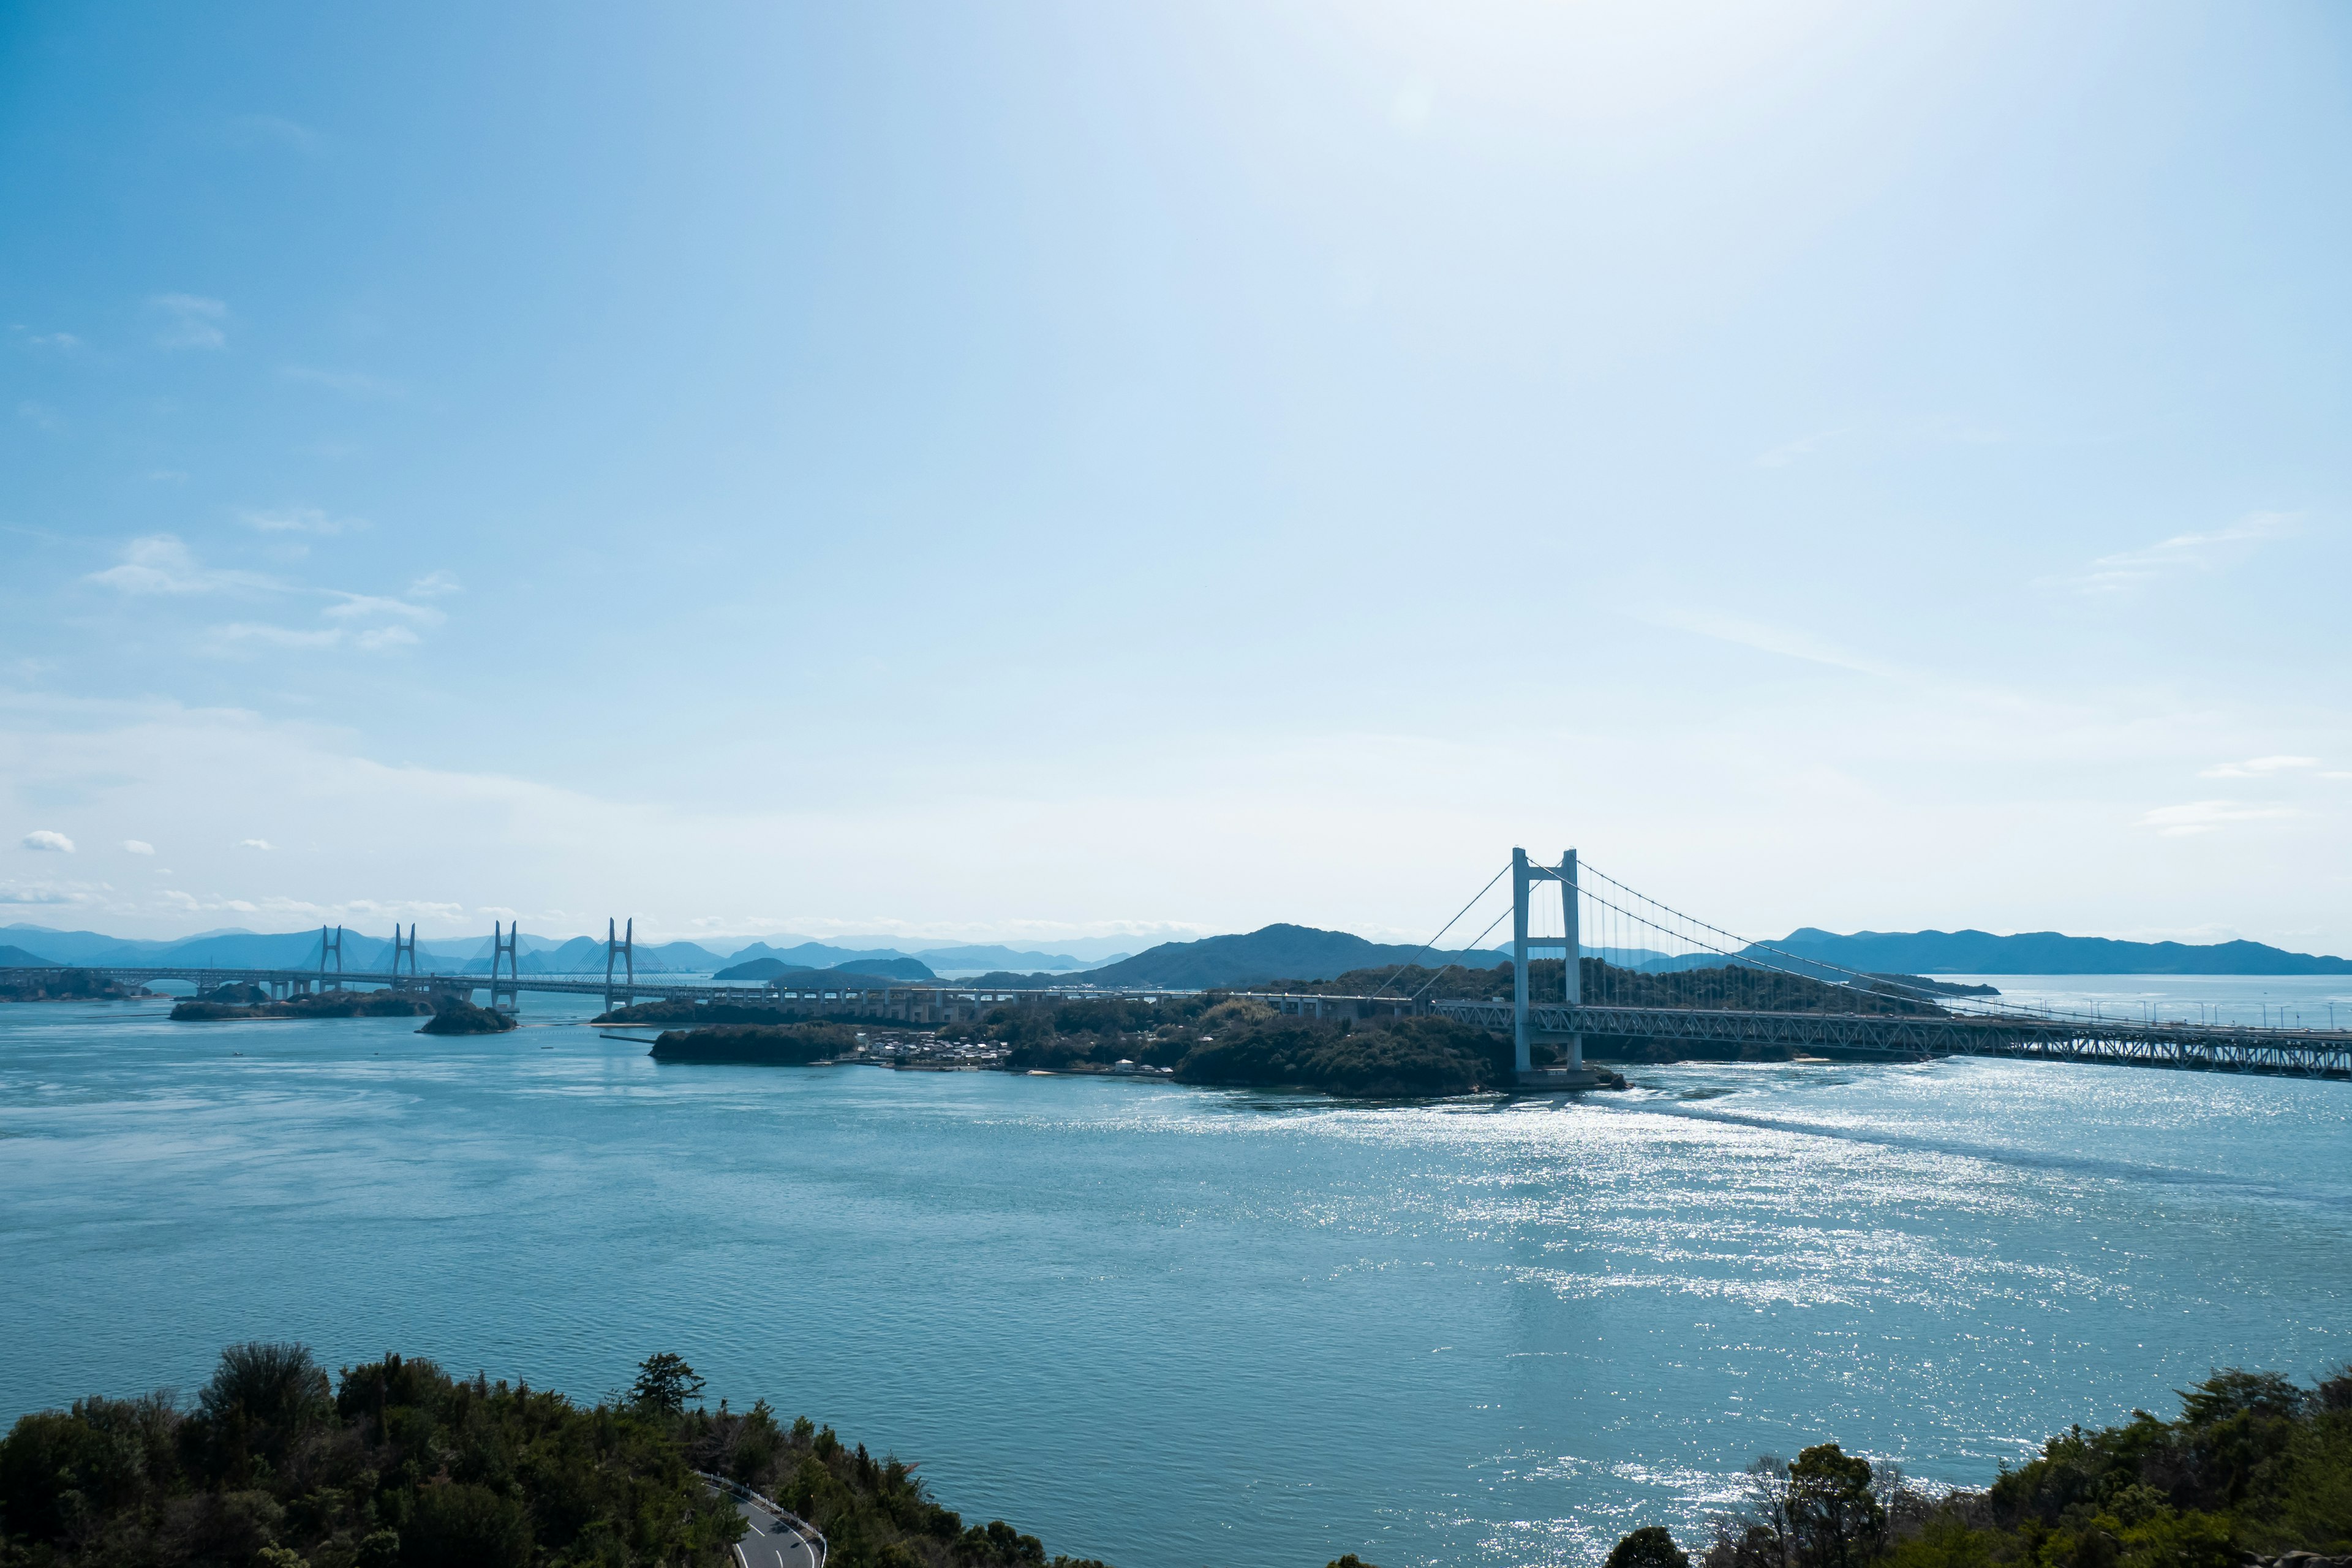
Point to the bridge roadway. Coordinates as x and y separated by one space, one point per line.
2304 1053
912 998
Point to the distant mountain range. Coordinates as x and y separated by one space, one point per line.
776 969
37 946
2043 952
1272 952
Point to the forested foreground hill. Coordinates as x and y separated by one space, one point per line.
2254 1470
394 1464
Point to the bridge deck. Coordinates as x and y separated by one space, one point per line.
2316 1053
2319 1053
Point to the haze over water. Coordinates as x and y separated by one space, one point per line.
1173 1327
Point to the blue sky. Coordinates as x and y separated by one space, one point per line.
1029 471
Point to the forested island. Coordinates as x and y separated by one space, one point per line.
1217 1039
454 1016
779 1045
244 1000
64 986
395 1464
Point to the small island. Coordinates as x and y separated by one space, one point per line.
775 1044
452 1015
241 1001
64 986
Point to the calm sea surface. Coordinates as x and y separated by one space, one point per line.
1175 1327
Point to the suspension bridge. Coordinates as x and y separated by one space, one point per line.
1660 980
1634 978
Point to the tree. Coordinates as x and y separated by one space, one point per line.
665 1382
1649 1547
1835 1519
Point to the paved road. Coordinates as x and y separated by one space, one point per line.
770 1545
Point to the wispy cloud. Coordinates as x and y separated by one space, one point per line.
368 622
191 321
44 893
1789 642
301 519
240 633
1790 452
350 382
2256 767
2206 815
46 839
161 564
2183 552
253 844
363 606
139 846
433 584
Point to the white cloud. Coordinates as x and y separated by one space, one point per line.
2206 815
433 584
65 341
237 633
397 620
193 321
2256 767
2182 552
38 893
160 563
364 606
139 846
263 843
301 519
44 838
39 415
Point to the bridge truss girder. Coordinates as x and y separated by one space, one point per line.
2123 1045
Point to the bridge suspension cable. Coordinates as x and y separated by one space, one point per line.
1448 926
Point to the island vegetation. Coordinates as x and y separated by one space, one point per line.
454 1015
242 1001
396 1463
777 1044
2255 1469
64 986
1242 1042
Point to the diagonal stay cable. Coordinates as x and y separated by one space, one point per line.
1448 926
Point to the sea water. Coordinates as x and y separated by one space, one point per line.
1173 1327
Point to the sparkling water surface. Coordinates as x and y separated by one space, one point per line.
1175 1327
